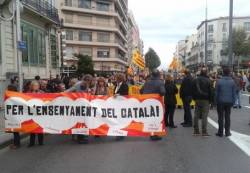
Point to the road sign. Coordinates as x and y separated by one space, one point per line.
22 45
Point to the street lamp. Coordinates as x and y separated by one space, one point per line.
206 12
230 40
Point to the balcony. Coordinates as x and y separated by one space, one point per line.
43 8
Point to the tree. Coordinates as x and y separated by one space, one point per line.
85 65
240 43
152 59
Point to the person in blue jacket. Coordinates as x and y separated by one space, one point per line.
225 95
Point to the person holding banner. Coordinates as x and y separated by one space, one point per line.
170 101
121 89
154 86
86 85
101 87
35 88
16 141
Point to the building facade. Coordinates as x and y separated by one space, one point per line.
39 24
96 28
134 40
191 51
218 32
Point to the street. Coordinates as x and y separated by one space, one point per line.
178 152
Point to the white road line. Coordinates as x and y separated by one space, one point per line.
240 140
247 107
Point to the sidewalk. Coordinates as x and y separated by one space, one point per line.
5 138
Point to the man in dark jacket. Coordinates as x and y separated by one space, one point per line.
154 86
225 94
186 96
121 89
202 94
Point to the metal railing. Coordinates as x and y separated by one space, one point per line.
44 8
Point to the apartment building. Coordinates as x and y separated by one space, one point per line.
97 28
39 24
191 51
134 40
218 31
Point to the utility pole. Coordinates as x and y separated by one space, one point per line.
19 52
230 40
206 35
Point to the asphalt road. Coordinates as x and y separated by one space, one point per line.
179 152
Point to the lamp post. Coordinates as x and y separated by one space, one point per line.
206 35
230 39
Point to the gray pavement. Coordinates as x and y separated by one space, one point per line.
179 152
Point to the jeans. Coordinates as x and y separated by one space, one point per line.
237 101
224 112
16 139
169 115
187 110
201 111
33 137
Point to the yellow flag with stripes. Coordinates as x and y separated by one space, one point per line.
138 60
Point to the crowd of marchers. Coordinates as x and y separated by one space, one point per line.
221 91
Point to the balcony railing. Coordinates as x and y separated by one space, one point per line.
44 8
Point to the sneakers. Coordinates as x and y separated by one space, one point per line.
205 135
196 133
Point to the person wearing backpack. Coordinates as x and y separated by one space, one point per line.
202 94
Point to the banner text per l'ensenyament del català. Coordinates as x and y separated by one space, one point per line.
81 113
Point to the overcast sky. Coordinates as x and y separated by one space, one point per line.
163 22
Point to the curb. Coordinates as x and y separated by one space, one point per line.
10 141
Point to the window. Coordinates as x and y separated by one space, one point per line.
210 28
68 18
35 54
210 54
84 4
54 51
68 3
210 38
41 48
69 52
84 19
224 27
85 36
85 51
247 26
103 21
103 37
103 53
224 37
102 6
69 35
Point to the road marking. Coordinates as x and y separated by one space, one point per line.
247 107
240 140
